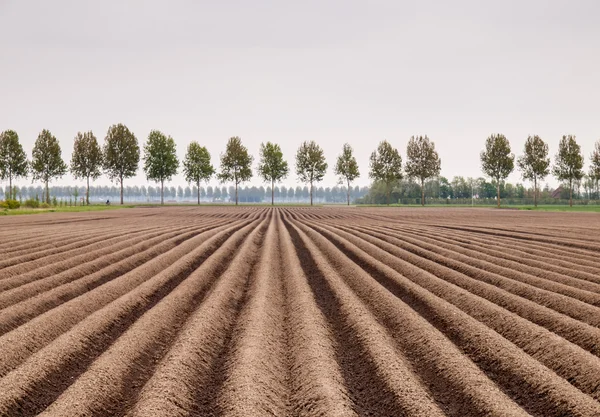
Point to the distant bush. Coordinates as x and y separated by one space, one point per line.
10 204
44 205
31 203
54 201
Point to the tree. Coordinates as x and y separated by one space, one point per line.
197 166
386 166
13 160
121 154
346 168
47 162
594 173
496 160
310 164
272 167
568 165
236 164
534 163
86 160
160 159
422 161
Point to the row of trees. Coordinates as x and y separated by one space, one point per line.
120 156
498 162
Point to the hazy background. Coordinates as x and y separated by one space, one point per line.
329 71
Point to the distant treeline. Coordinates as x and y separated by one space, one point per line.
392 178
437 190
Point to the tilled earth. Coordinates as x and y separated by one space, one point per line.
222 311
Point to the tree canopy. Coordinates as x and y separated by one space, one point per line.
86 160
568 165
13 159
386 166
271 166
197 166
310 164
422 161
534 164
497 161
121 154
346 168
236 164
47 162
160 159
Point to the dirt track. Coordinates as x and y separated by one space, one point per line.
300 312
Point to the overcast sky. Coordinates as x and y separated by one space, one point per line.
288 71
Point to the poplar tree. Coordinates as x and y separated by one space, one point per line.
47 162
497 161
386 167
346 168
13 160
310 164
121 154
422 161
534 163
236 164
568 165
272 167
160 159
197 166
86 160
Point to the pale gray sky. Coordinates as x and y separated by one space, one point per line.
287 71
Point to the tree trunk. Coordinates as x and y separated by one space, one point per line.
389 192
162 193
198 190
87 193
348 192
535 192
272 194
236 194
570 193
311 191
47 193
422 193
10 190
498 188
121 189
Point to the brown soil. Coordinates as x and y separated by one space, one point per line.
224 311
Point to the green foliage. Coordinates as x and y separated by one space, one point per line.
568 165
310 164
497 161
13 160
31 203
45 205
422 161
10 204
534 163
47 162
197 166
86 160
236 164
121 154
160 159
346 168
272 167
386 166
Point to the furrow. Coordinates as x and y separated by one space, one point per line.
535 387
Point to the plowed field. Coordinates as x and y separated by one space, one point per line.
300 312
